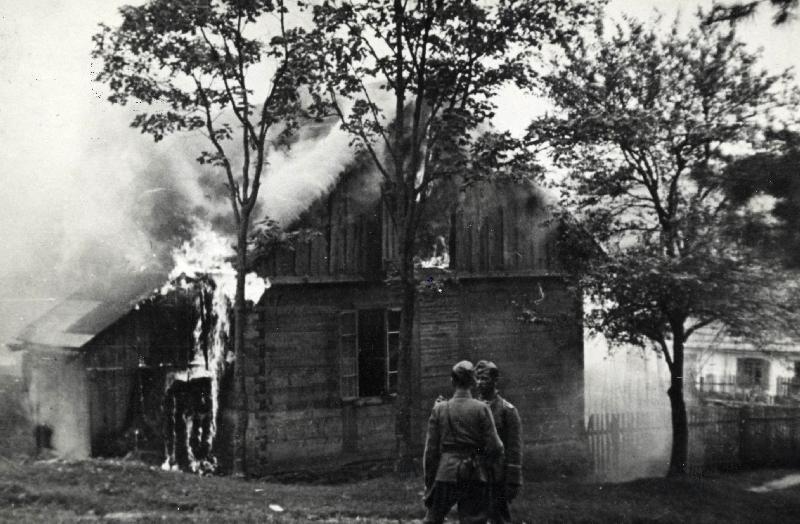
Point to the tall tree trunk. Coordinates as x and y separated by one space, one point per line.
405 373
240 397
680 424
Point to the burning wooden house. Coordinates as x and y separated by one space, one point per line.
108 372
323 341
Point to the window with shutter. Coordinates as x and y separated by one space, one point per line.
348 353
369 347
392 348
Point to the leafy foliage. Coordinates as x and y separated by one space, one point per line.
193 66
648 123
771 174
785 10
267 237
442 64
187 65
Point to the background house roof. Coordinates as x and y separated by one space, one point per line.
714 338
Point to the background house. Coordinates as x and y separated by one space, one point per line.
730 367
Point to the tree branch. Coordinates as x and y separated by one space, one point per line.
206 104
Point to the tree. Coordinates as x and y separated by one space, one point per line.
772 173
191 64
441 64
784 11
646 122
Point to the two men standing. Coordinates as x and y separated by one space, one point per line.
464 461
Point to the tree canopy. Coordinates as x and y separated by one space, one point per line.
442 64
188 66
206 67
784 11
772 177
647 121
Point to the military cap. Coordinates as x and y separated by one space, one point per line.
485 365
464 372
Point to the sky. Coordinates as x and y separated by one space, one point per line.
74 175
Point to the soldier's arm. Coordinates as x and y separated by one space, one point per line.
430 460
513 447
493 444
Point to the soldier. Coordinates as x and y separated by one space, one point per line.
461 435
506 474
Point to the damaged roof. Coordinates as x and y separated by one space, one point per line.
76 320
714 338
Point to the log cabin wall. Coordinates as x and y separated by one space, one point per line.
345 236
298 415
530 327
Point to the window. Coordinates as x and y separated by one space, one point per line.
752 372
369 345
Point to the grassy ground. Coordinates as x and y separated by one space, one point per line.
118 491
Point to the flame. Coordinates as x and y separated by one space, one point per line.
440 259
209 253
205 261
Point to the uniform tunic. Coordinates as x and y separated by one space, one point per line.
458 429
508 470
509 428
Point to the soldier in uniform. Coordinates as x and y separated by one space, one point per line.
461 437
506 474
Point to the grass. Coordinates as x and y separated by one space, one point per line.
125 491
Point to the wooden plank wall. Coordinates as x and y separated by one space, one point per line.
541 363
111 361
347 242
502 228
152 336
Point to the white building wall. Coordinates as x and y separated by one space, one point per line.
720 364
58 399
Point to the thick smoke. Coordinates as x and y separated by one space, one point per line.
127 203
628 381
